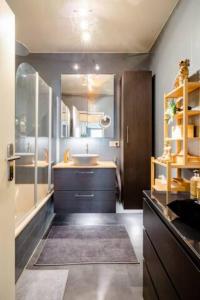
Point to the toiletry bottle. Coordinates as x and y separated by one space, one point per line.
198 186
198 189
66 156
193 183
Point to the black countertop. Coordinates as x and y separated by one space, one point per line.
187 235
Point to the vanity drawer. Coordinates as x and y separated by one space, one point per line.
84 179
160 279
149 292
84 202
182 272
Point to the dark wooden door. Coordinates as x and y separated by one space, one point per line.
136 135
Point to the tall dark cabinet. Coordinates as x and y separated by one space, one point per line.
136 136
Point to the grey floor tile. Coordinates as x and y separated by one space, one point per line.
104 281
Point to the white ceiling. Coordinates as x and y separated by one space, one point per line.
123 26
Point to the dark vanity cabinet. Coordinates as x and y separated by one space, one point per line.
136 136
171 257
84 190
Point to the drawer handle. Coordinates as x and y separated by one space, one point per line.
85 172
84 195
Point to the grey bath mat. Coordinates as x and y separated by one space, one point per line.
41 285
74 244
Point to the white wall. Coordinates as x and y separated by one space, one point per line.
180 39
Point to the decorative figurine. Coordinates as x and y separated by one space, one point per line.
166 156
183 72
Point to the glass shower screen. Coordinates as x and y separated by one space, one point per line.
32 140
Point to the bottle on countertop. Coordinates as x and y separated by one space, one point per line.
66 156
194 181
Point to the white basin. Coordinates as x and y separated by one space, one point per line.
85 159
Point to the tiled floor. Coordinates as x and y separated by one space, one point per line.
104 281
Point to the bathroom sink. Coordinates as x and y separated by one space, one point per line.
85 159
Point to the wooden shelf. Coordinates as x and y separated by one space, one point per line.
178 166
190 113
181 139
173 189
178 92
173 139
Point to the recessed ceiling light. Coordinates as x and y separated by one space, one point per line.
83 12
97 67
86 36
84 25
76 67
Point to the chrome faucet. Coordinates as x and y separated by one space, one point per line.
87 148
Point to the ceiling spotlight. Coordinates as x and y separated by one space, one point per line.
84 25
97 67
76 67
86 36
83 12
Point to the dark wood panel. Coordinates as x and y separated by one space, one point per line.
136 135
149 292
184 275
84 179
28 239
161 281
84 202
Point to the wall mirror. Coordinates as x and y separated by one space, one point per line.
87 105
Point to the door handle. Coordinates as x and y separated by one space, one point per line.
10 161
127 134
84 195
85 172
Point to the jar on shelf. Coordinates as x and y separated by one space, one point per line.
194 182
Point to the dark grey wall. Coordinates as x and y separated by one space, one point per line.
51 66
179 39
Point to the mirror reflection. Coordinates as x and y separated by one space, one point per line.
87 105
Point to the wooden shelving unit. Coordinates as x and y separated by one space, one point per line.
190 113
181 97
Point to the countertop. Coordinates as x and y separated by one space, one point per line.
100 165
187 235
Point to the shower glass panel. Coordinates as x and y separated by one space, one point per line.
43 140
25 111
32 140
